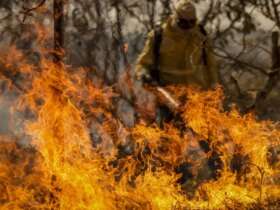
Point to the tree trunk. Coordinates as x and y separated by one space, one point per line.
58 7
275 75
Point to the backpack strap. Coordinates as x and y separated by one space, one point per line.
204 53
156 51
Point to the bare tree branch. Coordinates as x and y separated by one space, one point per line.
28 11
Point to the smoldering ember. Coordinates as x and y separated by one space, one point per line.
131 105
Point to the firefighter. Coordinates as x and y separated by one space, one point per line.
178 52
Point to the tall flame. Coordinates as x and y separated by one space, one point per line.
64 170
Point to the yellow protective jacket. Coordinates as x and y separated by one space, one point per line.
181 57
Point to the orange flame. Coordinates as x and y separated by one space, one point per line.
62 169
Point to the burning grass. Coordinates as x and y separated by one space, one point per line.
219 160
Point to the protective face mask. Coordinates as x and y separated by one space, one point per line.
186 24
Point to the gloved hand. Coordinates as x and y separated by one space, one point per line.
143 75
